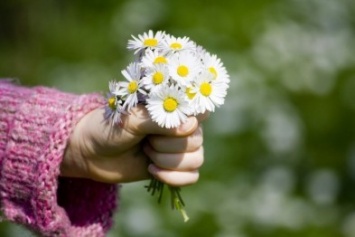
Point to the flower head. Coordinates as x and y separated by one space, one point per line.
156 77
168 107
130 88
184 67
174 44
153 58
207 93
214 65
147 40
114 109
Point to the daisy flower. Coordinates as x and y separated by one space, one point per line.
173 44
129 89
114 109
147 40
154 57
184 67
190 98
167 107
156 77
207 93
214 65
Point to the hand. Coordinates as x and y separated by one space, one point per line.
122 154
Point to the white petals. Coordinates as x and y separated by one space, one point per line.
168 107
129 89
184 68
147 40
176 44
156 77
172 76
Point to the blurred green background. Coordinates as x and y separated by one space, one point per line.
280 153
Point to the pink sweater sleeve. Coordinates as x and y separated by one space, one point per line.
35 124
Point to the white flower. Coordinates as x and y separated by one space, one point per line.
156 77
173 76
190 97
207 93
168 107
154 57
214 65
114 109
114 87
173 44
130 88
200 51
184 67
147 40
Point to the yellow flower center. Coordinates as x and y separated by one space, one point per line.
182 71
190 94
112 102
213 71
132 87
160 59
176 46
205 88
158 78
170 104
150 42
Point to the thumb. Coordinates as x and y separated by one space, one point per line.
139 122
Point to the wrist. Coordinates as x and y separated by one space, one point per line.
70 167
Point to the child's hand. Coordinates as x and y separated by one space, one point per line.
115 155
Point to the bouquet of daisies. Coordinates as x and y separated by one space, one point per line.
174 78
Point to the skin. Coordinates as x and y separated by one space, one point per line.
134 151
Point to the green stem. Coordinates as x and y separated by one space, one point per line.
177 202
175 196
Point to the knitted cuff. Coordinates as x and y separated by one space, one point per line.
31 193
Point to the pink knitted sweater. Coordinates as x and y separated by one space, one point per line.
35 124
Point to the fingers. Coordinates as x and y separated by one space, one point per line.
174 178
116 155
140 123
130 166
135 126
170 144
176 160
188 161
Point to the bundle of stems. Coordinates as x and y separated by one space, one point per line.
157 187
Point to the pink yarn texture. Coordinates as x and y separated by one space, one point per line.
35 125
